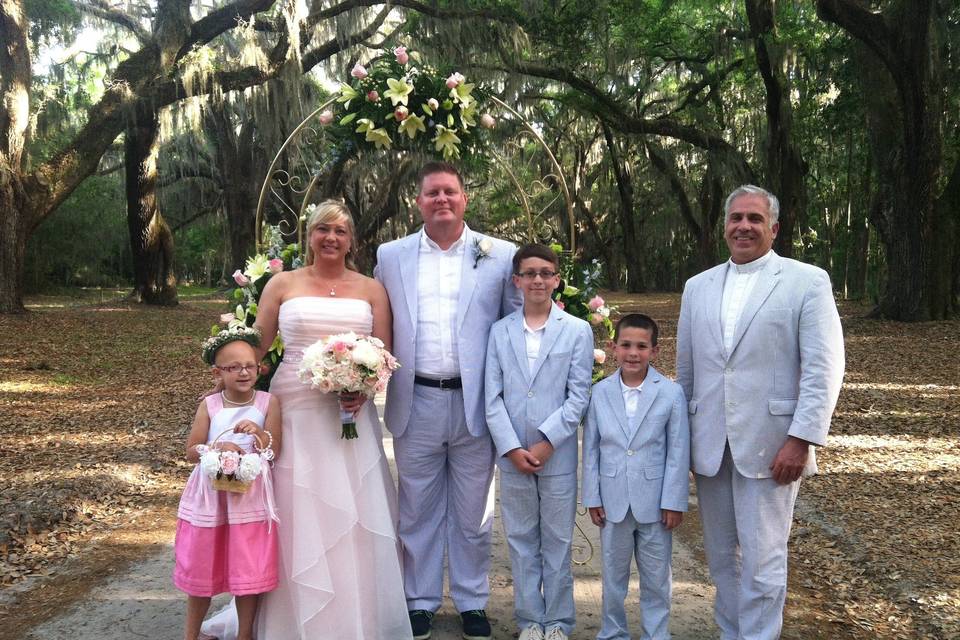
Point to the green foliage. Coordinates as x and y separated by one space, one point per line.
83 243
51 19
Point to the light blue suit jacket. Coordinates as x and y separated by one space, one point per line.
524 407
486 294
641 463
781 378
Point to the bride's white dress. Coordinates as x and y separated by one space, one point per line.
340 571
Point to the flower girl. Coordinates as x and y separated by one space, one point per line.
226 532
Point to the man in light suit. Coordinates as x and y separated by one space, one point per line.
636 452
760 358
447 285
539 364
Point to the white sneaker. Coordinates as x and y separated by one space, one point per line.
533 632
555 633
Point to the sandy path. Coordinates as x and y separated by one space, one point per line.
142 602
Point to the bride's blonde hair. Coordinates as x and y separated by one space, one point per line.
327 212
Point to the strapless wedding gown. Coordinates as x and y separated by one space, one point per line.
340 575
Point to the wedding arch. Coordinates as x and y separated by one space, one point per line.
394 105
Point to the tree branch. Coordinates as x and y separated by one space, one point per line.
100 9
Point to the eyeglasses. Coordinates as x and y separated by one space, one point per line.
237 368
531 275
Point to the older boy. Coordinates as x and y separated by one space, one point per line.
636 452
537 384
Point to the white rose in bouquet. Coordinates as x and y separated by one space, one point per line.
367 355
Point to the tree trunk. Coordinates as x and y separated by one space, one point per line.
151 240
631 227
13 244
786 168
900 69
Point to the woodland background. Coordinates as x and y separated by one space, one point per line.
134 137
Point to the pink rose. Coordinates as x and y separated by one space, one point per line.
487 121
402 56
229 461
373 96
276 265
240 279
595 303
560 305
454 80
339 346
359 71
433 104
400 113
595 319
227 318
599 356
326 117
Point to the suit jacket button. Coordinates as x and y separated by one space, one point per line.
530 394
629 452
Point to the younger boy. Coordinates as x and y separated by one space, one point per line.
537 383
636 455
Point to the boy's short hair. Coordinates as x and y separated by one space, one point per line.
437 167
637 321
535 250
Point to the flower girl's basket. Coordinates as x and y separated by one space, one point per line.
235 472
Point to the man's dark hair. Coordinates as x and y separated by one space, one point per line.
534 250
437 167
637 321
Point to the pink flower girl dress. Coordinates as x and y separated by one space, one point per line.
227 542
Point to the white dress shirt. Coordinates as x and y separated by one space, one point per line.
533 338
631 397
438 287
737 286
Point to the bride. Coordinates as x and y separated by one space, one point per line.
339 564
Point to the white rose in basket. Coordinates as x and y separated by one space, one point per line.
250 467
210 462
367 355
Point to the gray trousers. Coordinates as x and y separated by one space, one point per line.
746 524
538 515
446 502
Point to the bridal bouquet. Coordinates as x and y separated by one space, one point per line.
347 363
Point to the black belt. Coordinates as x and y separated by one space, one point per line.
442 383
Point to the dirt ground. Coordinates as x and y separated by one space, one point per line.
95 400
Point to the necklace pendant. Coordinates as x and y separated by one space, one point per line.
333 292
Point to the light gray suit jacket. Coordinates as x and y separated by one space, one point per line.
781 378
523 407
486 294
641 463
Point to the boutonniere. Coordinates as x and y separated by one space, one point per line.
481 249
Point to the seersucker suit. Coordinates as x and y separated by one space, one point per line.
525 406
634 467
444 480
781 378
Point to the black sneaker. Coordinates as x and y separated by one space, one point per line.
420 621
475 625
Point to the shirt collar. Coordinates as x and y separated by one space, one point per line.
427 245
750 267
625 388
527 328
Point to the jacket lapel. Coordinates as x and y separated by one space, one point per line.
713 301
768 279
647 395
468 277
552 331
615 400
519 343
409 259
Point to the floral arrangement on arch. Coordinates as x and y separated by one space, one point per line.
577 295
392 103
278 256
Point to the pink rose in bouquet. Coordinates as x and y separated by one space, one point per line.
240 279
276 265
347 363
595 303
229 462
401 54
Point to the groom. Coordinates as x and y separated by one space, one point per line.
447 285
